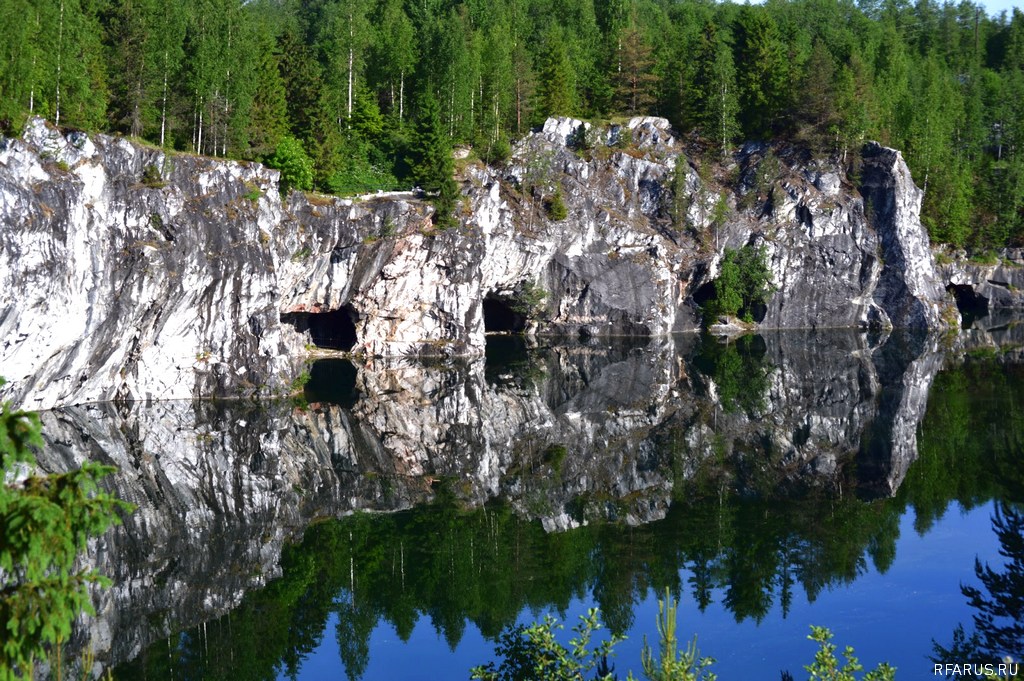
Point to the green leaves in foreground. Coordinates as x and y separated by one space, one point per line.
826 666
533 652
673 664
45 522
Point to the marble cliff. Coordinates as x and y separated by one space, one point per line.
131 274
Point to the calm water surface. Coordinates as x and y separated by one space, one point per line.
405 516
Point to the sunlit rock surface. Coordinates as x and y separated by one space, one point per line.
567 435
989 291
133 275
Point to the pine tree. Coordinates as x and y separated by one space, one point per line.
128 29
302 77
816 111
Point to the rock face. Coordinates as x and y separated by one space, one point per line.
129 274
112 288
986 292
565 435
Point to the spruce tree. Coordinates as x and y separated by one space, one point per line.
431 160
555 86
763 71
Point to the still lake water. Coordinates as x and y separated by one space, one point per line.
410 513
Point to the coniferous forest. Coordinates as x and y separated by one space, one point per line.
367 89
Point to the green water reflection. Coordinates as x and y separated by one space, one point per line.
485 566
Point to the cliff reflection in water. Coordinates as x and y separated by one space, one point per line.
781 433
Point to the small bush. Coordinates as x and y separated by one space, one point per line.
296 167
556 208
359 178
151 177
988 257
253 192
494 152
826 667
530 300
743 284
300 381
534 653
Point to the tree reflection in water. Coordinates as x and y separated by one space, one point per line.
734 533
999 623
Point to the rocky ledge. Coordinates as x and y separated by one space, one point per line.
132 274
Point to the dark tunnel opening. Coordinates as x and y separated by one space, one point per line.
334 330
971 304
500 316
704 293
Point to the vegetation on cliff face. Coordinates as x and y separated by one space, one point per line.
942 82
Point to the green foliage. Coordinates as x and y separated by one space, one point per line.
233 78
719 215
151 177
673 664
739 370
678 196
253 192
300 381
45 522
296 167
529 299
743 284
533 652
431 161
827 668
494 152
555 206
431 148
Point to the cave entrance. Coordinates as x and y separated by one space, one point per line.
334 330
704 293
972 305
500 315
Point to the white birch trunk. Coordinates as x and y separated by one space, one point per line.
60 54
163 104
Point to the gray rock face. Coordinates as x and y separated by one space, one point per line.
129 274
909 292
981 287
112 289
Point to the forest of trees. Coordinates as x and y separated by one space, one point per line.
356 82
